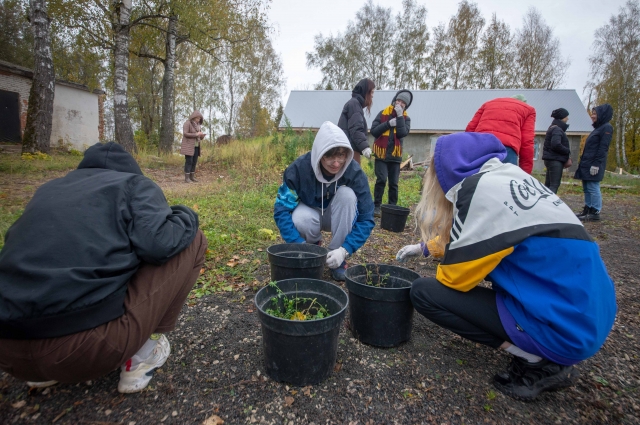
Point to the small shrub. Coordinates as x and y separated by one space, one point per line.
296 308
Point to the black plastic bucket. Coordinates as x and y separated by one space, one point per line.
393 217
301 352
296 260
380 316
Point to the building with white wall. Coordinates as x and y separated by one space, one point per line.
77 111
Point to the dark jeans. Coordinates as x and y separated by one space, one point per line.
554 174
386 170
155 297
191 161
472 315
512 156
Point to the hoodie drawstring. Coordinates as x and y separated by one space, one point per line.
322 195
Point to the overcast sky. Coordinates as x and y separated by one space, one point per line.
297 21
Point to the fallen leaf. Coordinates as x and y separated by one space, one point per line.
306 391
18 404
213 420
288 401
236 357
293 392
337 367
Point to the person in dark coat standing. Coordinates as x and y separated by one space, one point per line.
352 120
556 151
93 274
593 162
389 129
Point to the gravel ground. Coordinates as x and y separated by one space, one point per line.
216 372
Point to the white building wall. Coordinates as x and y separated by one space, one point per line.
75 118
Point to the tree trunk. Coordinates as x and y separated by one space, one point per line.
124 132
231 102
37 133
167 122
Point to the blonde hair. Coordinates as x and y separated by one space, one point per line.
434 214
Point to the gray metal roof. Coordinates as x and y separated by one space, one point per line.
435 110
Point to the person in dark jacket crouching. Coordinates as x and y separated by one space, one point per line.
390 128
556 151
325 190
352 120
593 162
93 273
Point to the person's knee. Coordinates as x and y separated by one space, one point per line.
306 224
422 295
345 195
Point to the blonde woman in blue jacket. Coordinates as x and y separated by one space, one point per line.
492 221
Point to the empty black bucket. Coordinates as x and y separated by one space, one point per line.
301 352
296 260
393 217
380 315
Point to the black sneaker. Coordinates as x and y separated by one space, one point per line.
377 212
338 273
594 215
524 381
584 212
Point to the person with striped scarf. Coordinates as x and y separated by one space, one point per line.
389 129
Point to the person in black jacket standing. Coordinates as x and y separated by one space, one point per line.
93 273
389 129
556 151
352 120
593 162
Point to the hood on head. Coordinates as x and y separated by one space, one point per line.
110 156
195 114
361 87
393 101
605 113
460 155
329 136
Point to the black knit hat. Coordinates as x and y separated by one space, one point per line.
559 113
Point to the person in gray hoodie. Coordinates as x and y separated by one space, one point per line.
326 189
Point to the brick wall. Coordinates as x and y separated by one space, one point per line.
20 85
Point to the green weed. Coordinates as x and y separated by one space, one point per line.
296 308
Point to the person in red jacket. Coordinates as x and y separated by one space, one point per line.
513 122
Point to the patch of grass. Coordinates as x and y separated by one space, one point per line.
37 165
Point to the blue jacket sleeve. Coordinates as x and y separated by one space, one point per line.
363 223
286 202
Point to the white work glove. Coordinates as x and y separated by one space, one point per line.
399 110
392 122
367 152
409 251
594 170
336 257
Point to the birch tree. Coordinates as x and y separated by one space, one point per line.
538 61
37 133
438 60
410 48
495 57
615 73
463 34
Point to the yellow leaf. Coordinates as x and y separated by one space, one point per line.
298 316
213 420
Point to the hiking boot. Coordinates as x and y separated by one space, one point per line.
377 212
43 384
186 178
338 273
134 380
583 213
192 177
524 381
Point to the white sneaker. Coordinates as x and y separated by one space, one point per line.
132 381
43 384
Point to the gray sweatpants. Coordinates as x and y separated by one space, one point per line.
338 218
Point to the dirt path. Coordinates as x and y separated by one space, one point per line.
216 365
